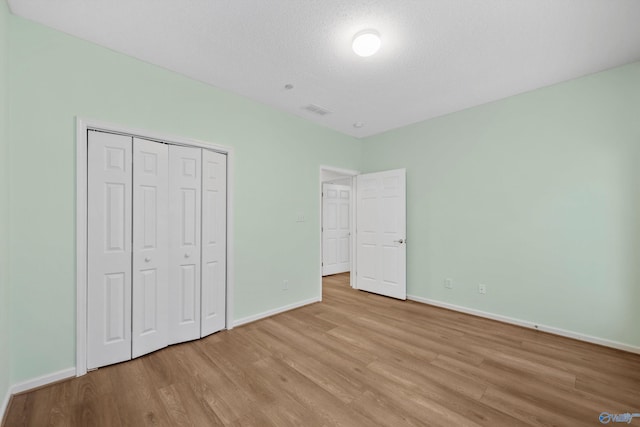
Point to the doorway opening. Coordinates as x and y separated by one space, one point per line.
337 223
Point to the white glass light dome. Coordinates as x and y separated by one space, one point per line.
366 43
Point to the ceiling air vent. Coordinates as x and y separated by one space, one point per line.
316 109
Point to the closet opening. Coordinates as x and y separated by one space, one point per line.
154 242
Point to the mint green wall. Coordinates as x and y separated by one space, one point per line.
537 196
4 204
55 77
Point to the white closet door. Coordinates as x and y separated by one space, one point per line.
109 249
185 183
150 247
214 241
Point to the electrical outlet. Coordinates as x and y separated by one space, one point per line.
482 289
448 283
285 285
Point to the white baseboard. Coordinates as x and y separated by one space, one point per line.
43 380
529 324
275 311
34 383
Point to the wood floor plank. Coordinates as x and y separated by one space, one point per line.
355 359
530 413
95 412
570 402
17 413
381 409
347 351
322 408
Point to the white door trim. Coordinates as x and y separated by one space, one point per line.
347 173
82 126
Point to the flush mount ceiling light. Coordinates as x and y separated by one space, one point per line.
366 43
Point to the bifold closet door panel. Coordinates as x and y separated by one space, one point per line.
214 241
109 209
150 326
185 185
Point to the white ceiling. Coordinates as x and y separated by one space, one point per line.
437 56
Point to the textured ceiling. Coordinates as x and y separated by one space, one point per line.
437 56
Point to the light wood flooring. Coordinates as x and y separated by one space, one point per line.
356 359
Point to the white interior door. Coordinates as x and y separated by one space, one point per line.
381 233
214 242
150 247
108 249
185 184
336 229
156 245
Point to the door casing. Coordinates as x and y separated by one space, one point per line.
339 172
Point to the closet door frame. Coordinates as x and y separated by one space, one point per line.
82 127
